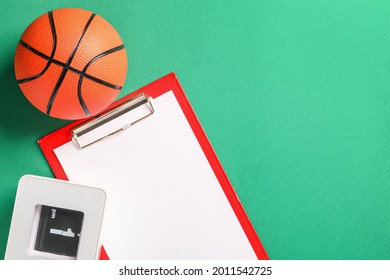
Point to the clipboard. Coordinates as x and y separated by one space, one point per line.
175 201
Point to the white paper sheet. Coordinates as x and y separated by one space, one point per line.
163 199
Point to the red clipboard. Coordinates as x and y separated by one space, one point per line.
169 82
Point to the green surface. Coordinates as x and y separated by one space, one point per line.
293 95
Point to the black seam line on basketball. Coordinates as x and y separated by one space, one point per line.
81 37
55 90
79 94
65 69
59 63
54 35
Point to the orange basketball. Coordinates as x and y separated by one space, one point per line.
70 63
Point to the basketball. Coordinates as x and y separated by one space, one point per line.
70 63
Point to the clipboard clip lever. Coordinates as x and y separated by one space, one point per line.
113 121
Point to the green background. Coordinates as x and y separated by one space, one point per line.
293 95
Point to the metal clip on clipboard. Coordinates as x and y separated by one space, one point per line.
102 126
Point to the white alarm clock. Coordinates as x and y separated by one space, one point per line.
55 219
